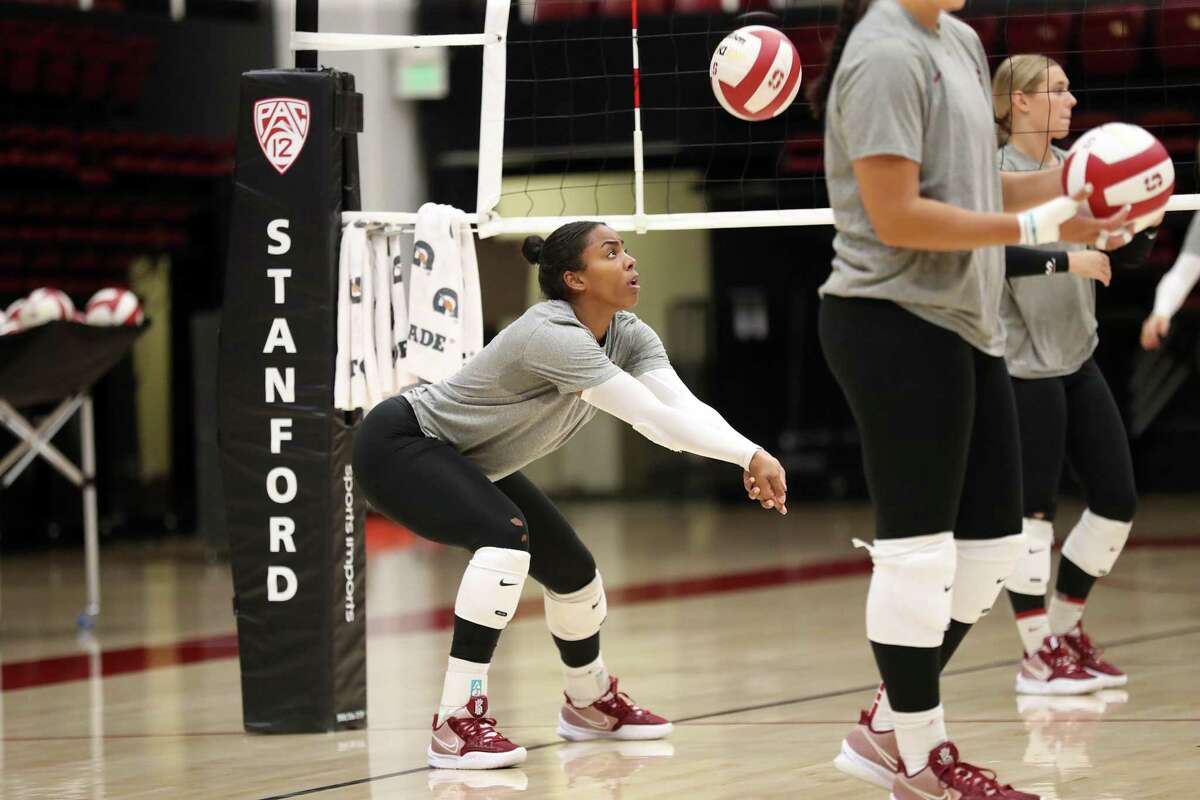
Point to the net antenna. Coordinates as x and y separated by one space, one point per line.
306 42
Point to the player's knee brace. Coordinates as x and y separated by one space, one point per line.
491 586
983 567
579 614
1031 575
1095 542
909 600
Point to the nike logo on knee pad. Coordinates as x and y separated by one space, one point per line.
502 583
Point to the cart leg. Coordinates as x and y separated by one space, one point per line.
91 534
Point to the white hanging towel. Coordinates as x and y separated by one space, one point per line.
381 268
439 335
350 245
472 298
399 249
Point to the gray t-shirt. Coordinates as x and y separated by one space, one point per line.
902 90
1050 321
517 399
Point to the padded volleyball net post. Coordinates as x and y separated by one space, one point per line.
295 520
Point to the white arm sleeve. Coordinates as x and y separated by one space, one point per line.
670 389
1177 284
625 398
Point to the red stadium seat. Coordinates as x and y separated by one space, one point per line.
1179 34
555 10
988 29
698 7
813 44
1111 38
804 156
1036 33
646 8
1082 121
1176 128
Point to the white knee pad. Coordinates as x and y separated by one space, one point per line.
491 586
983 567
1031 575
909 600
1095 542
578 615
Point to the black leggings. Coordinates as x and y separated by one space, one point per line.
1074 417
432 489
936 417
940 449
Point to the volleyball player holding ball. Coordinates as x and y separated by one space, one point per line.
910 326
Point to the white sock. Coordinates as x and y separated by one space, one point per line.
1065 613
917 734
585 685
881 712
1034 627
464 680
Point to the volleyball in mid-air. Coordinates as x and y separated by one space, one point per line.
1125 164
755 73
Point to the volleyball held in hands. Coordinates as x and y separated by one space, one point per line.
755 73
1125 164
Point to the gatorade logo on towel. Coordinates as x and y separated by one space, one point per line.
423 256
445 301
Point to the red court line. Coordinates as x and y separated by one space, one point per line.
62 669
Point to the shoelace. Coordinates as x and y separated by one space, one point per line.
482 727
620 703
1061 656
968 776
1081 643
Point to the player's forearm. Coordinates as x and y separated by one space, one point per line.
1024 190
923 224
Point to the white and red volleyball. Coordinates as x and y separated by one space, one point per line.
45 305
755 73
113 306
1125 164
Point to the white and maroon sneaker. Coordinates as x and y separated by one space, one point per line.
613 716
1089 658
1054 670
945 777
469 740
870 755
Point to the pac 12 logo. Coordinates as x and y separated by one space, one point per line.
281 124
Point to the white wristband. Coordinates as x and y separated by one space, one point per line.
1040 224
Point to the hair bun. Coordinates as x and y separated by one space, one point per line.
532 249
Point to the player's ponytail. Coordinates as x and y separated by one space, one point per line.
818 91
558 253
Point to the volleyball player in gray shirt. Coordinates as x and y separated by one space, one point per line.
444 460
1065 411
910 326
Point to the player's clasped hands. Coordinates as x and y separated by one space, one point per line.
766 482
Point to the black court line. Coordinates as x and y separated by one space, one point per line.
1006 662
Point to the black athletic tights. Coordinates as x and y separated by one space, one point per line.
940 448
1074 418
433 490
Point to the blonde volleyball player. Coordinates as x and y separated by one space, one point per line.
910 326
1174 288
444 460
1064 407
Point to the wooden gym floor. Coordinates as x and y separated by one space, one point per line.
744 627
